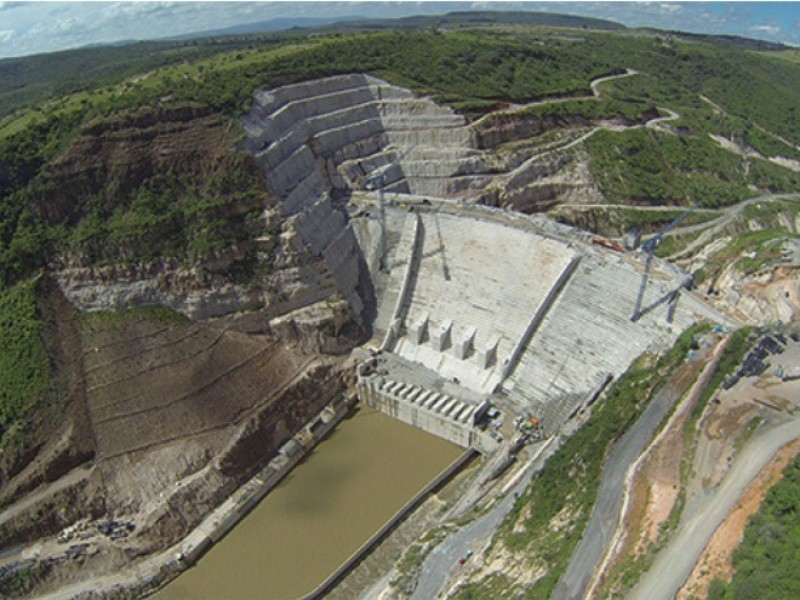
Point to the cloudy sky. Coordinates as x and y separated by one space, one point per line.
31 27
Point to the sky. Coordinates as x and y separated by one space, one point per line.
34 27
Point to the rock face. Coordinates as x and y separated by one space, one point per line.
317 139
503 128
764 299
164 419
192 292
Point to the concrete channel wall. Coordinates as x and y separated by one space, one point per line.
427 419
396 323
216 525
389 526
539 315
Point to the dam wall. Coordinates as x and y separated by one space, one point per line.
491 302
526 312
412 238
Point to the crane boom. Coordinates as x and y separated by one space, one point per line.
651 244
649 247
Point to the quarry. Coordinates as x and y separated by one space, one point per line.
482 322
414 277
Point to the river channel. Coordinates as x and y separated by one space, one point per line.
324 510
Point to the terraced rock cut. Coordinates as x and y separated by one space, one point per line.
319 140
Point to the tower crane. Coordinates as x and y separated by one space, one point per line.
649 248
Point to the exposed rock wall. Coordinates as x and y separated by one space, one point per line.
316 138
504 128
764 298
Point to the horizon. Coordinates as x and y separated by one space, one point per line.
28 28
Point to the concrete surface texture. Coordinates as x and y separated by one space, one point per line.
588 333
557 312
476 276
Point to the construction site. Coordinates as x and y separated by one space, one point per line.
491 329
480 319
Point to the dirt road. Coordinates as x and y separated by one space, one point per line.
605 514
592 85
674 564
710 229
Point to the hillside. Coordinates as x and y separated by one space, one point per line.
168 243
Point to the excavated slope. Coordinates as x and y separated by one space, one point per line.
171 414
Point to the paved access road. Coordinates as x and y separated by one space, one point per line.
444 558
605 514
674 564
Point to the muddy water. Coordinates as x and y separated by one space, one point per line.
329 505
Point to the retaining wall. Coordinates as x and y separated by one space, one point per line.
431 421
216 525
370 544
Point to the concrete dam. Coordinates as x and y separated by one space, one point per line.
478 316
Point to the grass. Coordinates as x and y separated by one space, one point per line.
765 244
25 370
496 585
644 166
747 432
616 220
671 244
154 314
759 231
731 358
588 109
469 69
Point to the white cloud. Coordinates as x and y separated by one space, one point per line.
669 8
66 25
766 29
134 9
5 5
5 35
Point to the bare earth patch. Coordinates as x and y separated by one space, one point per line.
662 472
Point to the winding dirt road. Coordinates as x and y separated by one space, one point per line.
710 229
593 85
674 564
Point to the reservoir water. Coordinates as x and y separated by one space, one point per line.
323 511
